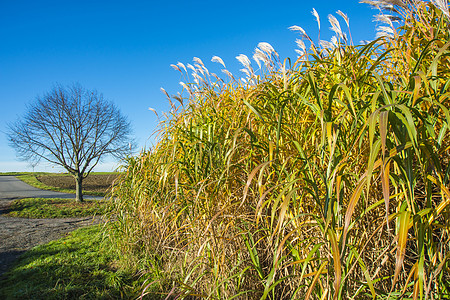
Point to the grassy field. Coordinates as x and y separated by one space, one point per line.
79 266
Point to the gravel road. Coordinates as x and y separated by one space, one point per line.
18 235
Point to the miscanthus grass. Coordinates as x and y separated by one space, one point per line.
323 177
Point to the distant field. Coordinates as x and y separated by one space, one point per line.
94 183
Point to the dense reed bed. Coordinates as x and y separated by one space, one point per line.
324 177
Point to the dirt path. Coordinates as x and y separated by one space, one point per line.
18 235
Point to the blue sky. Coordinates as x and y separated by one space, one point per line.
124 49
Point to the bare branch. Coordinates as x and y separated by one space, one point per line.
72 127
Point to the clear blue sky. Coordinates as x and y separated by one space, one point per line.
124 49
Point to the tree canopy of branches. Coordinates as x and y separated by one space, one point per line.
71 127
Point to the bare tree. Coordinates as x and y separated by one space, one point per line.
72 127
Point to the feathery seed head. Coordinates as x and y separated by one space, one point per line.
192 68
257 59
326 44
186 87
198 60
228 73
381 3
198 78
153 110
243 59
297 28
385 31
344 16
401 3
266 47
334 40
301 55
384 4
206 70
178 97
199 68
259 56
387 19
218 60
372 3
301 45
175 67
335 26
443 6
316 15
181 65
246 72
299 52
164 91
217 77
301 31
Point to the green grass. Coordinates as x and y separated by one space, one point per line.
55 208
31 179
79 266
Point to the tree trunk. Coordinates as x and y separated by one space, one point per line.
79 187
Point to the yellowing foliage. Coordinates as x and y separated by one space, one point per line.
324 179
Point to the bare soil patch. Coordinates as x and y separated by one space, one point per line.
94 182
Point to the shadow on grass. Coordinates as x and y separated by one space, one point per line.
6 260
5 210
75 267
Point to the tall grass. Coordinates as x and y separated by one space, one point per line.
321 178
